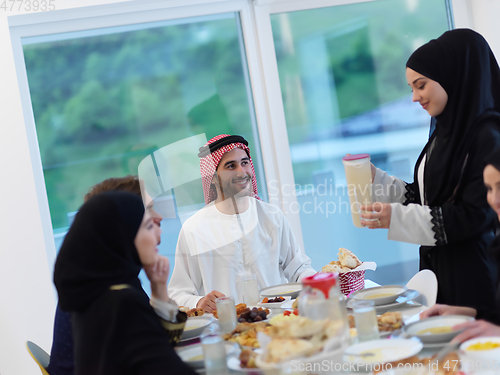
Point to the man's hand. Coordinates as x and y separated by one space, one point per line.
438 310
207 303
477 328
378 215
158 276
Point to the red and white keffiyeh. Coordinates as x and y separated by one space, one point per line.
209 164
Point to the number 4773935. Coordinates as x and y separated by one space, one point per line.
27 5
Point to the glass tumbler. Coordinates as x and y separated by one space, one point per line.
226 312
214 352
250 289
365 318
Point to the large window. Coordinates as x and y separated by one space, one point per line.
305 82
344 90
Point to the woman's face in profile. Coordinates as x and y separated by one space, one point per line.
146 241
491 177
430 94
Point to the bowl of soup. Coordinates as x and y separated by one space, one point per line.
380 295
481 348
437 329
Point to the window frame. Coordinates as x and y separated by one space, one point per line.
261 61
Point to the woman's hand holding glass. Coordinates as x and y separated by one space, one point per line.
377 215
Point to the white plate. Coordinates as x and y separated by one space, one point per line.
274 305
290 289
413 329
187 354
387 351
233 363
368 294
195 326
406 297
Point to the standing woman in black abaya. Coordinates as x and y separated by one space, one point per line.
115 329
456 79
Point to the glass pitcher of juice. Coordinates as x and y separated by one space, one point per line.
359 183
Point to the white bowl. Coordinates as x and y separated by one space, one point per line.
490 354
195 326
380 295
385 351
290 289
274 305
193 354
415 329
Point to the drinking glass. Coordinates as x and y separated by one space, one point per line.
226 312
250 289
214 352
365 318
358 176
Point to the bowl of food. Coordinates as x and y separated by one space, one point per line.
481 348
437 329
374 352
195 326
380 295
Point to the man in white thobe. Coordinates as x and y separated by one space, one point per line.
236 233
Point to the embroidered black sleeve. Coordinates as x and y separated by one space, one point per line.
410 194
438 226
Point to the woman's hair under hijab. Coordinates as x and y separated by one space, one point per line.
99 249
493 159
128 183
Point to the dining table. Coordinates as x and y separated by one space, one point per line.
410 313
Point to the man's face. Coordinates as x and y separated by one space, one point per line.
235 174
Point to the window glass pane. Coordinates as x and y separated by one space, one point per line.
342 75
105 99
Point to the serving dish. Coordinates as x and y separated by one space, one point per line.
274 305
290 289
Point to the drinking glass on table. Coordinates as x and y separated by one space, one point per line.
365 318
214 352
226 312
250 289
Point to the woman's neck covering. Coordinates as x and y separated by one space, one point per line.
211 157
99 249
462 62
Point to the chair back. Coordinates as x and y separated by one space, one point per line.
39 355
427 285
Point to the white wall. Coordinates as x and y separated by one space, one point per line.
27 300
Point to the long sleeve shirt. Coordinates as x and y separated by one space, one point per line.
215 249
411 223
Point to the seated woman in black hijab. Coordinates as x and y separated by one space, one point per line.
115 329
456 79
489 323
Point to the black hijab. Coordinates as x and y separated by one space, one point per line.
462 63
494 160
99 249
